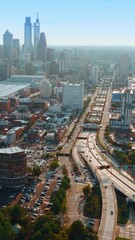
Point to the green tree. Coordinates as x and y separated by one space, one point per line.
63 235
132 157
36 171
86 190
6 230
123 213
29 169
90 234
93 204
76 231
59 148
38 236
64 206
49 155
65 182
22 234
56 207
54 165
64 170
46 227
17 213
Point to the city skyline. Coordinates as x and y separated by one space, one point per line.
82 22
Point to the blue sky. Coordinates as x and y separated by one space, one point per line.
73 22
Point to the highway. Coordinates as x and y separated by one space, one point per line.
108 178
109 204
109 213
108 221
120 181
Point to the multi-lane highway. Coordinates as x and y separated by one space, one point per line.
122 182
108 177
109 206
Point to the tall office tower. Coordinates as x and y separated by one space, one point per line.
36 35
27 36
50 54
55 67
8 45
62 61
122 105
42 48
4 69
124 66
89 73
16 48
73 95
126 109
94 75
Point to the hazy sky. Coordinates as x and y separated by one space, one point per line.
72 22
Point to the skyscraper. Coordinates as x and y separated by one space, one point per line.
124 66
27 36
73 95
16 47
36 35
8 45
42 48
94 75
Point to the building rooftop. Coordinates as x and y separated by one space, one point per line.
115 116
116 91
8 89
25 100
11 150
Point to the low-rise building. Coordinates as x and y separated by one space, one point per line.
5 105
11 137
59 134
50 137
56 108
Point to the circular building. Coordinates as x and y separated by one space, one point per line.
13 167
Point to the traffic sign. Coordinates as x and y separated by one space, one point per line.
125 167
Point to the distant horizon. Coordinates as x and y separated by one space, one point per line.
90 45
73 23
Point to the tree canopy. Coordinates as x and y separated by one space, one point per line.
45 227
86 190
36 171
78 231
6 230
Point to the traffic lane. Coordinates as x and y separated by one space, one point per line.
113 170
108 207
109 222
114 179
118 179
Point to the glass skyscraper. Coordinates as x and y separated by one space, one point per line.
36 35
8 45
42 48
28 35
